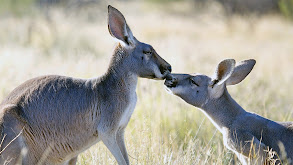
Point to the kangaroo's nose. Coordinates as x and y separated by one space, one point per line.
171 81
169 77
164 68
169 68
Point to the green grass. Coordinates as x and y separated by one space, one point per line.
163 129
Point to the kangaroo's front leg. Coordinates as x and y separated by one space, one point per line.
247 145
121 144
111 143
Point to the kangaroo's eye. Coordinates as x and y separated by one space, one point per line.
193 82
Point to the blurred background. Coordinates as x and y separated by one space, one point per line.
70 37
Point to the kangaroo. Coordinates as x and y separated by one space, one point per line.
54 118
248 135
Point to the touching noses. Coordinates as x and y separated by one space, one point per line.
171 81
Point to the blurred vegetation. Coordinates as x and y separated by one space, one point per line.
16 7
231 7
249 6
286 8
71 39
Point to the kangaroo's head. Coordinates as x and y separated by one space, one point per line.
140 58
198 89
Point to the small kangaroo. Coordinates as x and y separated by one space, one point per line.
55 118
247 134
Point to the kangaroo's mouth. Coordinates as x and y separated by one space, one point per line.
172 87
170 82
153 76
160 76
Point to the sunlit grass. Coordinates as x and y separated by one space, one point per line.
163 129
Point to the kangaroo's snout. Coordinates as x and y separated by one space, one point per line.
165 68
171 81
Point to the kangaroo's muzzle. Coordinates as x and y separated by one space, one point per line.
171 81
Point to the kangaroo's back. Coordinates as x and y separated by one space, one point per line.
52 97
48 108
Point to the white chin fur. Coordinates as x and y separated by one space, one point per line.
176 90
169 90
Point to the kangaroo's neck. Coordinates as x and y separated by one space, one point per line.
119 64
223 111
119 75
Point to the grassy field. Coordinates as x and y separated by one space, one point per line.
163 129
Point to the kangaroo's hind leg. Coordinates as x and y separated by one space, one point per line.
13 148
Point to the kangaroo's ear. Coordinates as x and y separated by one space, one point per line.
118 27
223 72
241 70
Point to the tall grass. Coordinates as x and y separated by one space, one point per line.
163 128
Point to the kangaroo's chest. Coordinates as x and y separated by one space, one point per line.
128 110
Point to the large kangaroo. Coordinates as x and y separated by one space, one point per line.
248 135
55 118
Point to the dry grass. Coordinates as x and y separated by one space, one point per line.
163 128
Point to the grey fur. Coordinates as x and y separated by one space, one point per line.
243 132
58 117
